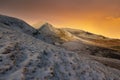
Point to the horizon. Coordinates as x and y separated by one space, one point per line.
96 16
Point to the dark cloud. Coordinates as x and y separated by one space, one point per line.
59 5
60 8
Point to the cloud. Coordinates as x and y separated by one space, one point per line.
113 18
56 5
98 14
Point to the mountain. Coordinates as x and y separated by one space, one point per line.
23 56
53 35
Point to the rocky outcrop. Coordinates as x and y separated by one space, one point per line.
53 35
17 24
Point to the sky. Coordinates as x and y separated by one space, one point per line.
96 16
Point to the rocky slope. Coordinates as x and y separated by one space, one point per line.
84 34
98 39
25 57
73 40
84 48
82 44
17 24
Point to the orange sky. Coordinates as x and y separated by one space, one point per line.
97 16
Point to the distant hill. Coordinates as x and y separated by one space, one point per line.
98 39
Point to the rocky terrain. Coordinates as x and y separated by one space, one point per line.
77 41
97 39
49 53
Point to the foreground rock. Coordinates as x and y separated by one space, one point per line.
24 57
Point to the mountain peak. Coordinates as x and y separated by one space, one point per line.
47 28
46 25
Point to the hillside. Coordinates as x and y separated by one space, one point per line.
97 39
25 56
80 45
77 41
